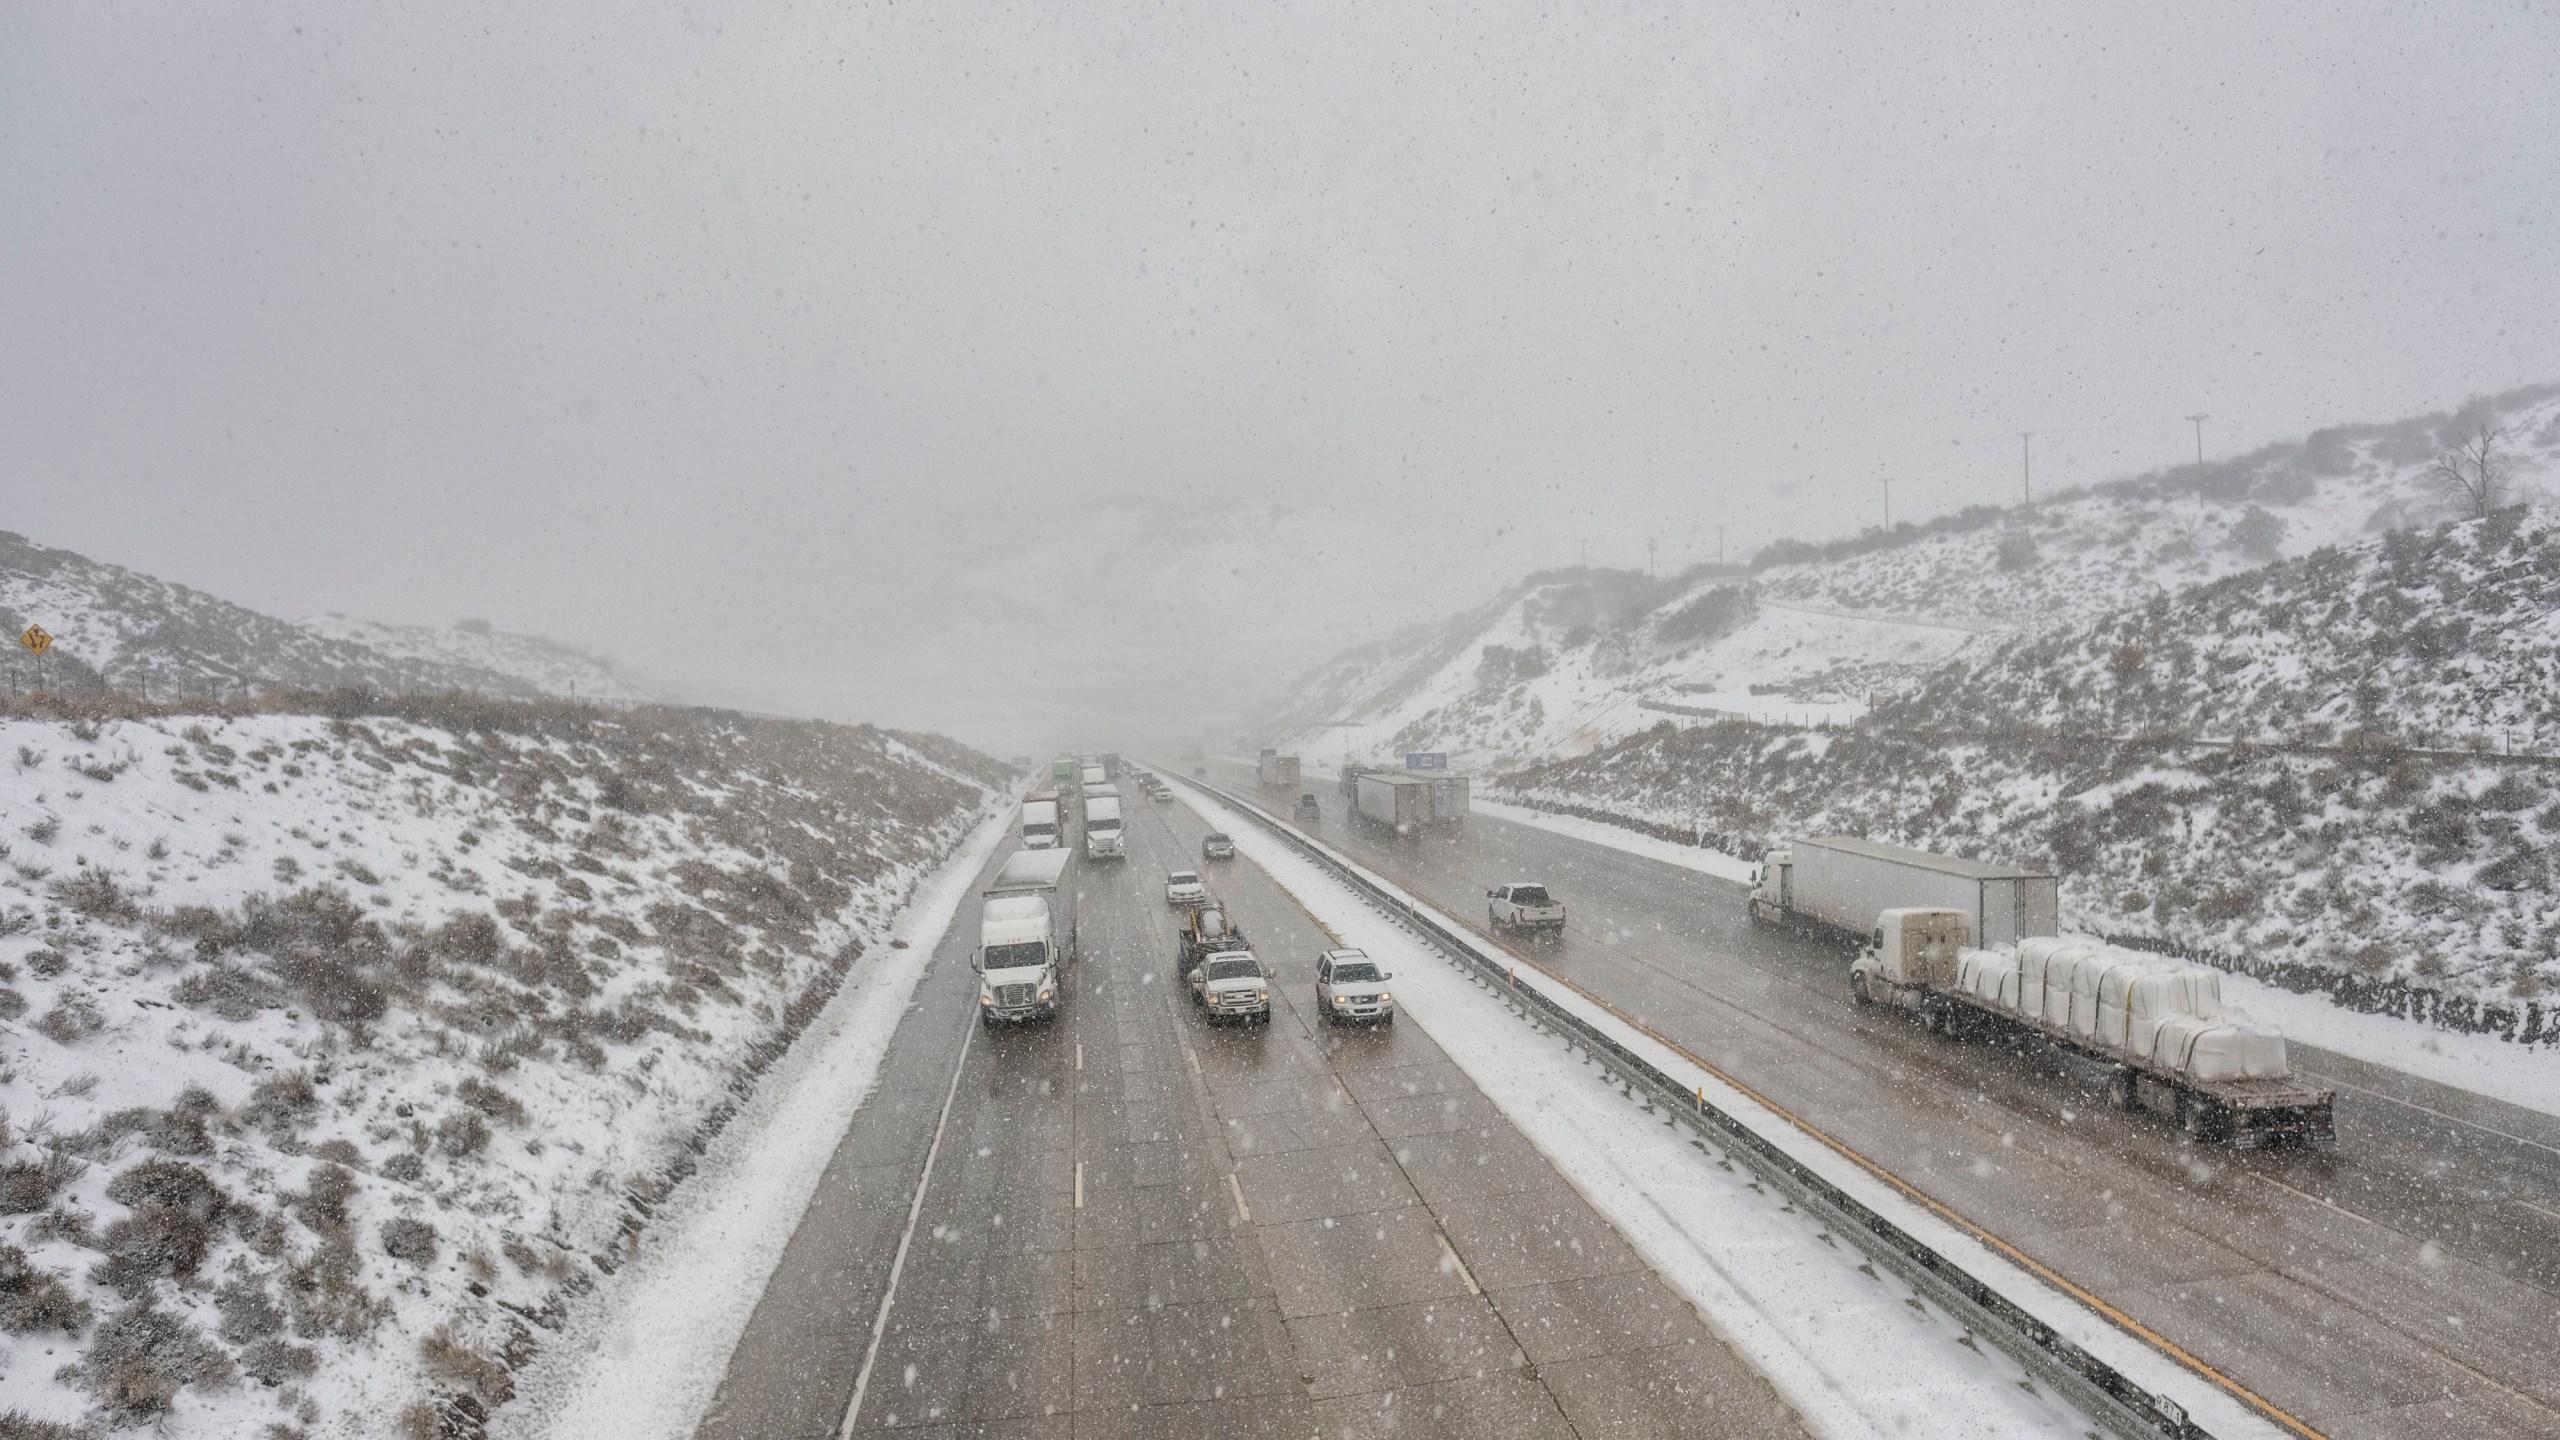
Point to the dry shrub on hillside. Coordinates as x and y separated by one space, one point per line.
143 1356
32 1300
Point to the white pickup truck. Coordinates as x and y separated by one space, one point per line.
1231 985
1523 907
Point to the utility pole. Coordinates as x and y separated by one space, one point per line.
1888 505
1719 545
2026 468
2198 422
1648 557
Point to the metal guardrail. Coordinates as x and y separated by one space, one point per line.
2099 1389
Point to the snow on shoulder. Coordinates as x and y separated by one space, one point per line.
352 1045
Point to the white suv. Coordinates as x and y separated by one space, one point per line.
1523 907
1351 987
1183 890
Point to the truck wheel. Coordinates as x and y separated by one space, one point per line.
1858 995
2121 1091
2198 1116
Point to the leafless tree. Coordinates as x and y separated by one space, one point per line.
2474 476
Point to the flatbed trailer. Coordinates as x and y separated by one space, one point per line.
2244 1113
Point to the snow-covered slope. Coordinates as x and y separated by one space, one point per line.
338 1054
2370 831
1569 660
2079 556
142 635
2429 638
543 663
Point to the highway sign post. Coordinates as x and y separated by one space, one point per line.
1427 760
38 640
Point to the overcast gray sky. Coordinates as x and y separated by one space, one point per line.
735 338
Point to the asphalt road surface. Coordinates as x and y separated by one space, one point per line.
2405 1284
1140 1226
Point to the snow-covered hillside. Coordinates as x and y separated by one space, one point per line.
547 665
1574 659
339 1052
137 634
2079 556
2342 842
2427 638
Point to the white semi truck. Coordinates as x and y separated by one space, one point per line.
1275 771
1834 885
1103 838
1040 825
1026 938
2159 1027
1406 803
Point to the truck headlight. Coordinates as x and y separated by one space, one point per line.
1385 999
986 996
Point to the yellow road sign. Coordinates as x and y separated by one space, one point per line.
36 639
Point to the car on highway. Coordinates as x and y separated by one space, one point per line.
1231 985
1184 889
1351 989
1523 906
1217 845
1309 811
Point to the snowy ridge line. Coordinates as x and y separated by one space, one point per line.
2102 1388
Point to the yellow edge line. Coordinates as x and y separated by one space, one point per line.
2019 1257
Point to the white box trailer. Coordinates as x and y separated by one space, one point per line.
1838 884
1103 838
1277 772
1027 936
1406 803
1040 824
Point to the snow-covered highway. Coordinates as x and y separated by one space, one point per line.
2430 1306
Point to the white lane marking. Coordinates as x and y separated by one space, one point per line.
1079 1184
1243 1215
1459 1265
2314 1199
1079 1054
898 1265
1194 1057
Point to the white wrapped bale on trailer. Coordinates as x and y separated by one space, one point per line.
2159 1025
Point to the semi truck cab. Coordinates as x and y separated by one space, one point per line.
1016 961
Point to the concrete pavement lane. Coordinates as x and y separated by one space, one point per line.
2406 1283
1139 1225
